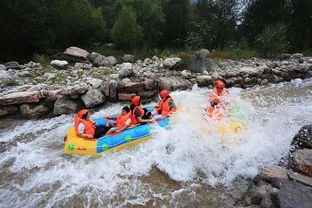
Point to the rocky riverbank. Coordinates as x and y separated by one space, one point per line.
288 185
78 79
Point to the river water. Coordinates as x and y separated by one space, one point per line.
186 166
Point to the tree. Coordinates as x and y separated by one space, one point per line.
176 21
126 32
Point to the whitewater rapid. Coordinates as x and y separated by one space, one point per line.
35 172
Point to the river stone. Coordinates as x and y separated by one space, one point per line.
93 97
30 111
3 112
126 70
125 96
300 178
76 52
63 105
274 172
2 67
20 97
303 139
4 76
59 64
301 161
174 83
12 65
172 63
128 58
204 80
113 84
134 87
150 84
125 80
297 55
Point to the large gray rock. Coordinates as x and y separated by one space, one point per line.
201 62
93 97
128 58
204 80
76 52
2 67
31 111
300 178
113 84
63 105
13 65
4 77
301 161
303 138
126 70
20 97
134 87
60 64
172 63
174 83
100 60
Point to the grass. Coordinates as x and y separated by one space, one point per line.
234 54
12 82
307 52
43 60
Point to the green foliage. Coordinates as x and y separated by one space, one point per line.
307 52
42 59
200 36
126 32
272 40
11 82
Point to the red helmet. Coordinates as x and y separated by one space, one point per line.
216 101
164 94
136 100
219 84
82 112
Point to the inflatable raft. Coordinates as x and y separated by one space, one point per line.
131 136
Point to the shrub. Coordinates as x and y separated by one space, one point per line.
41 59
11 82
272 40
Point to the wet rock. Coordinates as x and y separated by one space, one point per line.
128 58
172 63
204 80
126 70
76 52
303 139
2 67
174 83
300 178
13 65
63 105
273 172
31 111
59 64
20 97
93 97
113 90
134 87
150 84
301 161
148 96
125 96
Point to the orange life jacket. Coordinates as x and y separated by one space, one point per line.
89 125
214 113
121 120
133 117
164 106
216 95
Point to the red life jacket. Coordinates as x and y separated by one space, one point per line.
216 96
121 120
133 117
89 125
214 112
164 106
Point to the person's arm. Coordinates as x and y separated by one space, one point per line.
81 128
111 117
140 120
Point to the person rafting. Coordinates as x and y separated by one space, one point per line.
138 114
86 128
165 108
217 102
123 121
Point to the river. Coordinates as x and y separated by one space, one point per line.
186 166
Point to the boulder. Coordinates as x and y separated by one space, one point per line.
174 83
297 55
31 111
148 96
4 77
51 94
134 87
204 52
76 52
172 63
100 60
150 84
92 98
125 80
3 112
125 96
2 67
126 70
106 89
13 65
301 161
113 84
300 178
204 80
63 105
20 98
186 74
128 58
59 64
303 139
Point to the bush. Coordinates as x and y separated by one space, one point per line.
11 82
41 59
272 40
